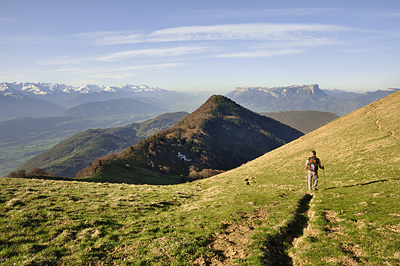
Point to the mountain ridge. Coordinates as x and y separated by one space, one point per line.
303 97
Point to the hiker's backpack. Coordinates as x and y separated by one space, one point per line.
312 164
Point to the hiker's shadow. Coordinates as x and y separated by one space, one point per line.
360 184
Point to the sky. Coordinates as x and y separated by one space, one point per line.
351 45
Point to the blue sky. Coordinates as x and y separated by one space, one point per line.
202 45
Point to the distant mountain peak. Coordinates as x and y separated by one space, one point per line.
141 88
278 92
312 91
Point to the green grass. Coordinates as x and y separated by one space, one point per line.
256 214
84 223
359 229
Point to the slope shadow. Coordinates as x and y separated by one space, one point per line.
275 250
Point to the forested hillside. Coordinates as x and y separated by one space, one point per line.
218 136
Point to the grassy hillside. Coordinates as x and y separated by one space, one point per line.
256 214
304 121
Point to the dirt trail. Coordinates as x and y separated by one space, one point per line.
231 245
380 127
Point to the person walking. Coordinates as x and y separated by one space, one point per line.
312 165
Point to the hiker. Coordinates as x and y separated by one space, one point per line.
312 165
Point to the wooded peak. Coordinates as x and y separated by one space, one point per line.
219 135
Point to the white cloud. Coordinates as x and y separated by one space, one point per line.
260 31
250 31
159 52
68 69
266 32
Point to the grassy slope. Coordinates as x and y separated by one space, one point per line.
241 216
356 219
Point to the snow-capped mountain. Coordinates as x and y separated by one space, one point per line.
9 91
20 99
46 89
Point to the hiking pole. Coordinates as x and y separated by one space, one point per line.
323 173
306 180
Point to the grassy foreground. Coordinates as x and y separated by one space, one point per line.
257 214
59 222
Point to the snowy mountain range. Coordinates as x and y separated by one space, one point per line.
19 89
18 99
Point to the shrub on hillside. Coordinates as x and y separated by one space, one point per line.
205 173
18 174
39 172
34 172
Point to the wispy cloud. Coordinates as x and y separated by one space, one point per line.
114 73
224 32
111 37
387 15
158 52
258 54
251 31
154 66
252 13
65 60
361 50
255 40
9 20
